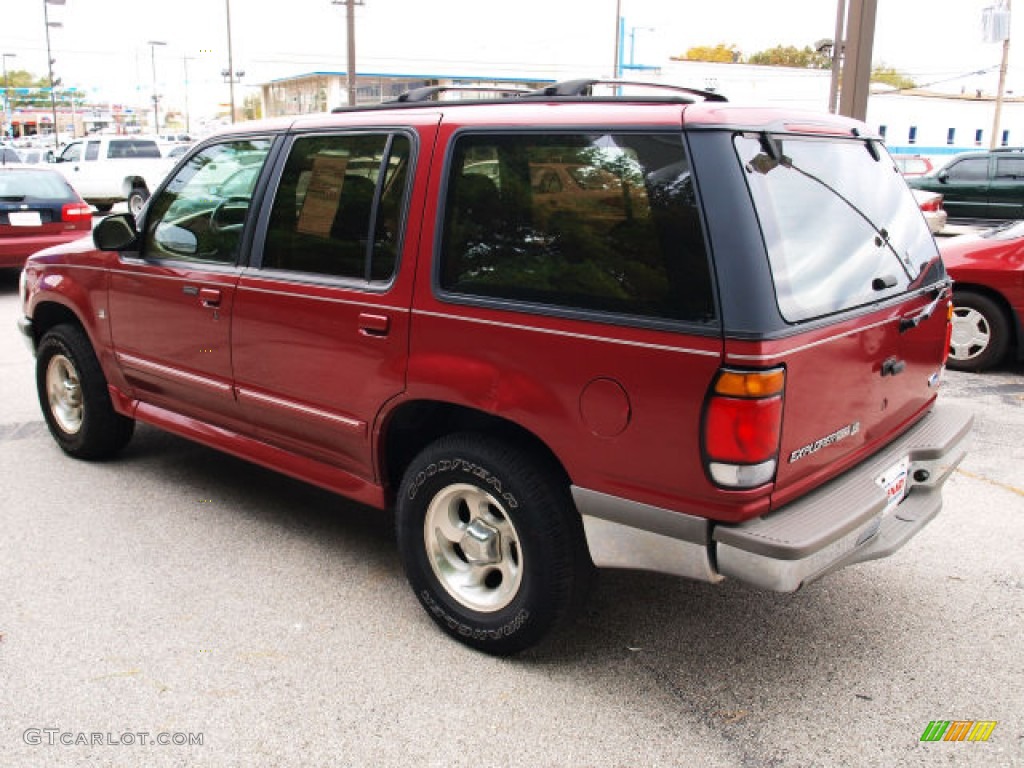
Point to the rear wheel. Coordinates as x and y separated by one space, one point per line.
138 197
981 332
491 542
73 394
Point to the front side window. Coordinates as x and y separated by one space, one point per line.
72 152
339 206
969 169
592 222
839 224
200 214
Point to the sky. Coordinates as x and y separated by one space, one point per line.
103 46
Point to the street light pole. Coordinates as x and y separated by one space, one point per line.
156 98
618 40
49 64
7 96
231 61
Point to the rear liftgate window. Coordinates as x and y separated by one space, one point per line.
840 226
591 222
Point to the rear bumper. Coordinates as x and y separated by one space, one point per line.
839 524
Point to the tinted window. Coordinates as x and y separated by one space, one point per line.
969 169
839 224
133 148
92 150
605 222
28 186
200 214
1010 168
339 205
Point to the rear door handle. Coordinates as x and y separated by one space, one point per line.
374 325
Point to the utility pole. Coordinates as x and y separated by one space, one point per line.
231 62
156 97
838 44
860 28
994 140
350 35
188 126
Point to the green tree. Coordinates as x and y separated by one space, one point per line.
889 76
726 54
26 90
791 56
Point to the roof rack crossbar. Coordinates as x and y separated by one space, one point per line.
429 91
584 87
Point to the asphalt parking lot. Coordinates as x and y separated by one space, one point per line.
179 595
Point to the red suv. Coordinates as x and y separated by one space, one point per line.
550 331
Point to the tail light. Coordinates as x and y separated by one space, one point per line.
75 213
932 206
743 426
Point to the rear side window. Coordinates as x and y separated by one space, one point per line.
840 226
132 148
1010 168
339 205
593 222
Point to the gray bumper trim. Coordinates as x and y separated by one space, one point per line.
842 522
627 534
836 525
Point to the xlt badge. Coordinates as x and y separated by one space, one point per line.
827 440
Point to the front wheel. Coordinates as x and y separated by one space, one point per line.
981 333
491 542
74 397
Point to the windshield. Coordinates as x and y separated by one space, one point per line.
841 228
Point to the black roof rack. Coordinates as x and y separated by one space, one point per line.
585 87
429 91
570 90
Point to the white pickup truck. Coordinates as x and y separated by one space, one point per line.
108 169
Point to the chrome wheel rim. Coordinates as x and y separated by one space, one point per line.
64 394
473 548
971 334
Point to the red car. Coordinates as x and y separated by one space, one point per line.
988 295
38 208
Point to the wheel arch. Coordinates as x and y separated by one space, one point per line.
1016 327
413 425
131 182
50 313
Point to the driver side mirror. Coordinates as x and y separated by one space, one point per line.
943 176
115 233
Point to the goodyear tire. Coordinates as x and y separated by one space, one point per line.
491 543
73 395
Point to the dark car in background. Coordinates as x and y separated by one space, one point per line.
980 185
38 208
988 296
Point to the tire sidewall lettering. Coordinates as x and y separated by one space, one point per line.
487 478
